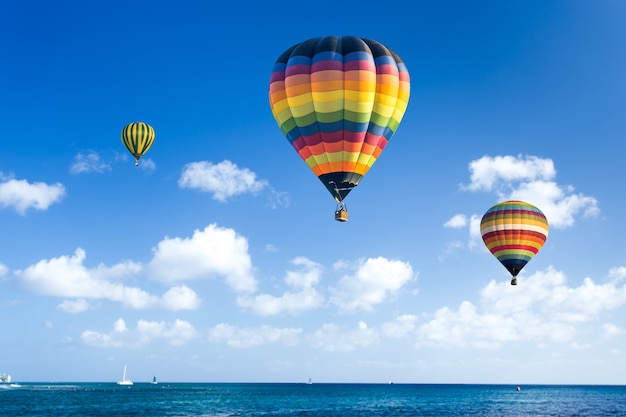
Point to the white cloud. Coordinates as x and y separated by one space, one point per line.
249 337
180 298
530 179
146 332
401 327
67 277
209 252
460 221
547 291
176 334
3 269
75 306
303 297
615 274
374 280
224 179
558 203
457 221
22 195
334 338
88 162
465 327
474 231
488 172
541 308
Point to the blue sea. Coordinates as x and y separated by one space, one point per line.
259 399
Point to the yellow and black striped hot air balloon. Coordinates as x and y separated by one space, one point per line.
138 137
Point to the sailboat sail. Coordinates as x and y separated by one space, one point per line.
124 380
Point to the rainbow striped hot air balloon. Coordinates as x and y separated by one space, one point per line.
138 137
514 231
339 100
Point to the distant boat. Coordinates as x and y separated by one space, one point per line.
125 381
154 381
5 378
310 382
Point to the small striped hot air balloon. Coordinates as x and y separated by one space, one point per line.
339 100
138 137
514 231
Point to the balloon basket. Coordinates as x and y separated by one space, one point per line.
514 281
341 215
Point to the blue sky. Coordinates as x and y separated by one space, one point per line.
218 259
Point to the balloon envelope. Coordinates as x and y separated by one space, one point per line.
338 100
138 137
514 231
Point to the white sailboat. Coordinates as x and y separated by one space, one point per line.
125 381
154 380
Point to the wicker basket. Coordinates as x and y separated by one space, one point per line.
341 215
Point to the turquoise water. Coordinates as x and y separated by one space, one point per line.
390 400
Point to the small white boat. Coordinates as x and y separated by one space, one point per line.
5 378
154 380
125 381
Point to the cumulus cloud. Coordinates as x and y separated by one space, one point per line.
334 338
250 337
401 327
22 195
180 297
175 333
75 306
488 172
224 180
547 309
303 295
530 179
548 292
369 282
3 269
560 204
68 277
474 231
526 178
615 274
457 221
89 162
466 326
214 251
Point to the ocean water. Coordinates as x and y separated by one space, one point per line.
389 400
